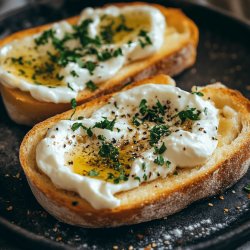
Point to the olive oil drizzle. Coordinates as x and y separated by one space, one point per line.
44 68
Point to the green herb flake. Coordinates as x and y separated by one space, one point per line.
18 60
160 150
159 160
59 78
110 176
90 66
44 37
107 150
143 107
191 114
205 111
69 86
21 71
157 132
168 163
93 173
91 86
145 39
137 178
197 93
247 188
135 121
122 26
105 124
101 137
73 103
154 114
76 126
73 73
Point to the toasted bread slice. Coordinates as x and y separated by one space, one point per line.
172 59
163 196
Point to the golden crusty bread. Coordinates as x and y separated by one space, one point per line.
172 59
160 197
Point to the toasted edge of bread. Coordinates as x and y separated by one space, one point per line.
151 200
24 109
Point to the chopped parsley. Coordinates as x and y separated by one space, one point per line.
157 132
73 73
159 160
154 114
78 125
91 85
160 150
107 54
107 150
89 65
110 176
122 26
122 177
191 114
69 86
144 39
73 103
73 106
59 78
168 163
107 32
135 121
101 137
105 124
137 178
21 71
197 93
247 188
44 37
205 110
81 32
143 107
18 60
93 172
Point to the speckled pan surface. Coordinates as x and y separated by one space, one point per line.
221 222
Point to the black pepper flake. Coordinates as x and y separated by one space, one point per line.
74 203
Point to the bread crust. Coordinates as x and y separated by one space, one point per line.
18 103
151 200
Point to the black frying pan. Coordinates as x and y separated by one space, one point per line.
223 55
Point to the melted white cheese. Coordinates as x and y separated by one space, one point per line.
104 70
185 147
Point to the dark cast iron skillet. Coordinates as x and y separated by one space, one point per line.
223 55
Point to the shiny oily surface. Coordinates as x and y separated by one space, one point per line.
221 57
65 59
161 127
